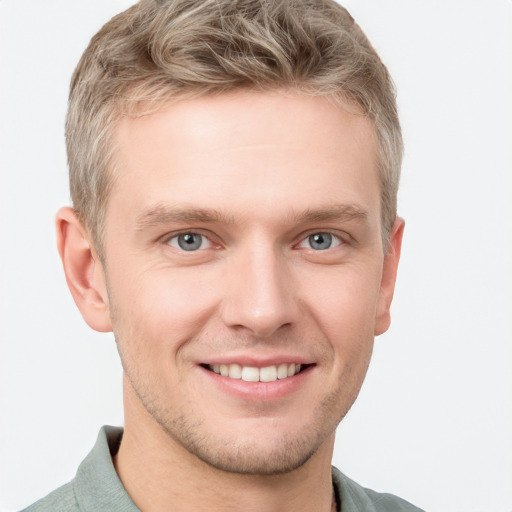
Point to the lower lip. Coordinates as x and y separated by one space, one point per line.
259 391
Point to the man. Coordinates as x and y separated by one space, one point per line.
234 169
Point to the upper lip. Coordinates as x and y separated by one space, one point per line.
257 361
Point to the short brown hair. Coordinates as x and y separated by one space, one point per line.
160 50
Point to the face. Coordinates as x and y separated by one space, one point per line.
245 273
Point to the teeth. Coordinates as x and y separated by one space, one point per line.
250 374
282 371
254 374
235 371
268 374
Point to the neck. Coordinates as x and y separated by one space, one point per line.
158 473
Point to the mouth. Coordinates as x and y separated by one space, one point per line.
254 374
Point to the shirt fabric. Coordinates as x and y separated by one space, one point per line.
96 487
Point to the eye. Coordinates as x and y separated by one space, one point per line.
189 242
320 241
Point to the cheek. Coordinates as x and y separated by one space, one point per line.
159 310
344 308
345 300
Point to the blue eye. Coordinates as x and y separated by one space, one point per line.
320 241
189 242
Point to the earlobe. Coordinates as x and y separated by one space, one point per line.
389 272
84 272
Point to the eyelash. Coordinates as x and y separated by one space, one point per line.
175 237
334 238
325 234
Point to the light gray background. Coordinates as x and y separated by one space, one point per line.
434 420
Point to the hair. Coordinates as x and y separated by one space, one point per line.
159 51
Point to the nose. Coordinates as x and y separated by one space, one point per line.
259 294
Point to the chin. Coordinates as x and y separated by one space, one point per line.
254 446
250 456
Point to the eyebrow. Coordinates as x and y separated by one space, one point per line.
161 214
335 212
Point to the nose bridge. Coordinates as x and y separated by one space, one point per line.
260 295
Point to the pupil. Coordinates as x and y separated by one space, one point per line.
189 242
320 241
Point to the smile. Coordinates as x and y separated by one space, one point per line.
254 374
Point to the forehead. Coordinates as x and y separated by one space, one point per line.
275 151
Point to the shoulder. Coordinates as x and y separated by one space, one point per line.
384 502
62 499
356 498
96 485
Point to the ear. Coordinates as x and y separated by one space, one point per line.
389 271
84 272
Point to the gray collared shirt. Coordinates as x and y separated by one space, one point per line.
96 487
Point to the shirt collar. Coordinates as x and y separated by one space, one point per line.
97 486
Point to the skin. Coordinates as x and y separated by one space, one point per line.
254 175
